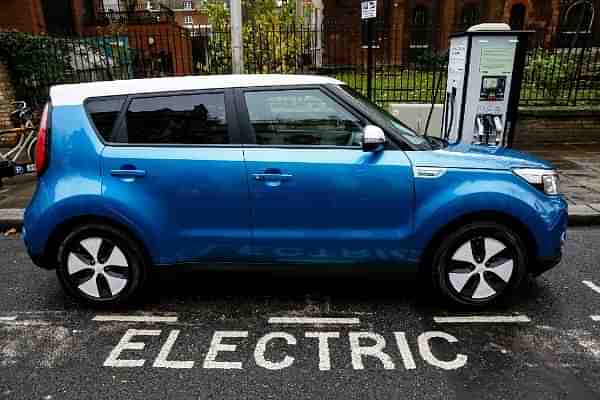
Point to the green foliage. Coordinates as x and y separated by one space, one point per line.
272 36
33 60
558 70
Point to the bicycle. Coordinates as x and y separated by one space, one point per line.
26 133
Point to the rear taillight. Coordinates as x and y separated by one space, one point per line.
42 151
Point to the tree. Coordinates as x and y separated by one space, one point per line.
272 34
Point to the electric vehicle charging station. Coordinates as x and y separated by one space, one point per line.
485 71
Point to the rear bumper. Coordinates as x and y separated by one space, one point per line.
38 259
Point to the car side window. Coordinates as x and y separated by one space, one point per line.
176 119
301 117
104 113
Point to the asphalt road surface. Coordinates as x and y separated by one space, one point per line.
301 335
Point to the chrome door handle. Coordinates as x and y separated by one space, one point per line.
128 172
272 177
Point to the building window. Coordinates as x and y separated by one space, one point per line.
188 20
421 28
420 16
470 16
578 18
187 4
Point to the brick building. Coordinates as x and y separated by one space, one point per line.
76 16
409 26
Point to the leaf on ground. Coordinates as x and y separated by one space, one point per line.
10 232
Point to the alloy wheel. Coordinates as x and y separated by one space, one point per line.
480 268
98 268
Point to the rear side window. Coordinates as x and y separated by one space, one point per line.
104 113
177 119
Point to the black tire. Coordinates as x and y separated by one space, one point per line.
485 280
105 269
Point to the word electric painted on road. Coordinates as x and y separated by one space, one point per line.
224 350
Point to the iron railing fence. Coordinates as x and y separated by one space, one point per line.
402 72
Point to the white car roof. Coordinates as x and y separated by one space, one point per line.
75 94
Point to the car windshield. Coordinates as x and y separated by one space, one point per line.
405 132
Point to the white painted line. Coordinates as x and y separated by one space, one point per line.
482 319
592 286
133 318
11 318
24 322
595 317
314 320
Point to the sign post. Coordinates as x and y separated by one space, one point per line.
369 13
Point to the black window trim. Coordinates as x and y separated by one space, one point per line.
230 115
249 136
86 108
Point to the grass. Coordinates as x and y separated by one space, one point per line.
415 86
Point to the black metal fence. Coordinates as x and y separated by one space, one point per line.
403 71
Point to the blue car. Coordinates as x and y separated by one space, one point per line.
278 170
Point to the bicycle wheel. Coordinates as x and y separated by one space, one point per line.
31 149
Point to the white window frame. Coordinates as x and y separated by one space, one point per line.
188 20
188 5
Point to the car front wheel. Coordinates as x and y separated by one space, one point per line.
100 265
479 264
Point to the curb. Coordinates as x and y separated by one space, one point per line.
579 215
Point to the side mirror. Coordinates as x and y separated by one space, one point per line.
373 138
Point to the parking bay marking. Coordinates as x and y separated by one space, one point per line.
134 318
592 286
363 345
11 318
482 319
314 320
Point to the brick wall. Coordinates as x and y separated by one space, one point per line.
7 96
539 126
22 15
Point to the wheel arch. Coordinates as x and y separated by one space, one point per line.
64 228
497 217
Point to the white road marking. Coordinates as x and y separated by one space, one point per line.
375 350
125 344
407 357
425 349
314 320
595 317
133 318
217 346
261 348
592 286
11 318
510 319
24 322
324 356
162 362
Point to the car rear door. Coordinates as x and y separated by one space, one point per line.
174 166
316 196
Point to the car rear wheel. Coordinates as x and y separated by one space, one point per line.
100 265
479 264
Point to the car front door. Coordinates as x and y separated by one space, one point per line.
175 167
316 196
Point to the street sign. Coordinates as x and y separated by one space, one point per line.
368 9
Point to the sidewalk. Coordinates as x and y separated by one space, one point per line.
579 169
578 165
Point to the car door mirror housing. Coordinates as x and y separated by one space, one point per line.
373 138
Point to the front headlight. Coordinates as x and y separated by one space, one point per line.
544 179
